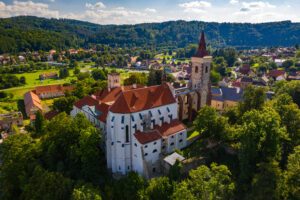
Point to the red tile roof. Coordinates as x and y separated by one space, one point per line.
159 131
110 95
50 115
31 99
70 88
168 129
47 89
146 137
143 99
275 73
104 109
88 100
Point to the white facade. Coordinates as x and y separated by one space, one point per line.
124 152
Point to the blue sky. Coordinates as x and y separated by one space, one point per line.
139 11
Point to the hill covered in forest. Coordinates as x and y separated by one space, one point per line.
33 33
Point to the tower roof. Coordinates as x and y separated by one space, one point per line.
201 52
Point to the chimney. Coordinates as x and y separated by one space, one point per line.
134 86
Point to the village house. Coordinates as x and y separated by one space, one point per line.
225 97
52 91
10 119
32 104
48 75
245 70
277 75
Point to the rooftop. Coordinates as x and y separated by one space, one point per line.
171 159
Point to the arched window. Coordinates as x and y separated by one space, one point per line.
206 69
196 69
154 151
127 133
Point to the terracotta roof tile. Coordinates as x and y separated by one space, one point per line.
47 89
143 99
50 115
31 99
103 108
170 128
275 73
146 137
88 100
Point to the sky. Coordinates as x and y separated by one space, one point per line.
141 11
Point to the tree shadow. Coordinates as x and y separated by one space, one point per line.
21 108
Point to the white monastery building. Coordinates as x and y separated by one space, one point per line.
140 124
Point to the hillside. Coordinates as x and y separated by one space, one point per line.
33 33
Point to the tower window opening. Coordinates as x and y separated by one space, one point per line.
196 69
206 69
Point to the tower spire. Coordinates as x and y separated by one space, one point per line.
201 52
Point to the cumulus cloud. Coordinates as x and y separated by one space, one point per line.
254 6
233 2
98 5
195 6
151 10
18 8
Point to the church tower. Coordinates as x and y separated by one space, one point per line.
201 66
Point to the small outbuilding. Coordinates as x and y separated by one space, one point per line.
170 160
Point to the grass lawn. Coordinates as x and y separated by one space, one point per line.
32 78
192 134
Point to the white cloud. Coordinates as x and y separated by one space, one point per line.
151 10
256 5
196 4
18 8
233 2
52 0
98 5
196 7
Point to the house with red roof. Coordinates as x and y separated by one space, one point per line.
138 123
32 104
277 75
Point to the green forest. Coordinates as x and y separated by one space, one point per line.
33 33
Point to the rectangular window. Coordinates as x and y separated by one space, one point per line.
153 121
162 119
127 133
159 112
150 113
141 117
113 118
132 118
168 109
123 119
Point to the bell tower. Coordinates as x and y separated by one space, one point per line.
201 66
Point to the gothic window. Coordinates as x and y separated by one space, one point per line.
127 133
196 69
